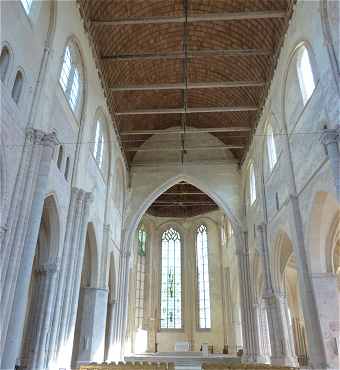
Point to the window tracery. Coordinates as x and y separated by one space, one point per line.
171 284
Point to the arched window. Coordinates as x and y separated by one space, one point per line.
70 76
17 87
140 277
67 168
203 277
98 149
252 184
171 281
305 74
4 62
60 156
27 4
271 148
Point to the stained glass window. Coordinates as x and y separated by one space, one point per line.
140 277
171 280
203 277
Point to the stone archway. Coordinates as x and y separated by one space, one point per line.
40 301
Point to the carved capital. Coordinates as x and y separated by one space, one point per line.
50 140
330 136
34 136
49 268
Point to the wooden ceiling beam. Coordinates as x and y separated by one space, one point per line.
187 131
188 110
190 54
190 85
176 149
208 17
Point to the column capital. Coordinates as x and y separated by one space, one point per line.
49 267
261 227
330 136
34 136
50 140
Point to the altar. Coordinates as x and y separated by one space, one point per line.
183 360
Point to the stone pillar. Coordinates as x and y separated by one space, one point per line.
20 240
231 332
316 349
60 342
251 350
264 340
327 298
237 327
281 352
91 324
44 306
330 138
120 314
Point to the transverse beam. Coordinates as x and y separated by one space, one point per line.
190 85
175 149
188 110
209 17
190 54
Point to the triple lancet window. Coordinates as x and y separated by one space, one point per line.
171 280
203 277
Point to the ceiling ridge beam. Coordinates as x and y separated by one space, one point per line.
187 110
175 149
190 54
207 17
188 131
190 85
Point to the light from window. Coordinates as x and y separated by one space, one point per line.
74 90
27 4
66 69
4 63
140 278
203 277
271 148
305 74
70 77
17 87
171 284
98 149
252 184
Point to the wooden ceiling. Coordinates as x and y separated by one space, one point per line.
202 65
182 200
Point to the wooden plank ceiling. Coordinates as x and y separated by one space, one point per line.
182 200
186 64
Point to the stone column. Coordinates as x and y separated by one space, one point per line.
327 298
316 349
40 327
251 350
74 283
20 240
281 352
330 138
91 320
60 343
231 332
264 341
120 314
